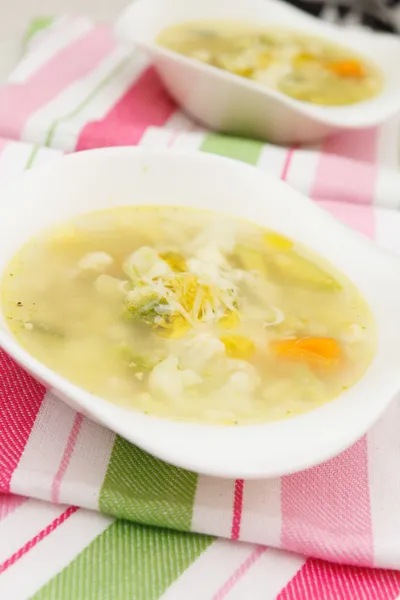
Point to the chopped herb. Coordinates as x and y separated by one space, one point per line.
48 329
146 310
138 363
205 33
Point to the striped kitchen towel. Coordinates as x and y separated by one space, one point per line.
76 89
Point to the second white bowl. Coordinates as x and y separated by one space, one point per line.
236 105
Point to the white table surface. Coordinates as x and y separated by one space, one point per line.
16 14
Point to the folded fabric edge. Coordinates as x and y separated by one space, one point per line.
35 28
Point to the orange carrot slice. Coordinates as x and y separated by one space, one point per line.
317 352
347 68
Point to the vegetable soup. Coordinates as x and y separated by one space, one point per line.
188 314
303 67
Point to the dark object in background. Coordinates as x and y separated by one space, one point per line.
382 15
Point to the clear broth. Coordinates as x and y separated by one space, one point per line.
188 315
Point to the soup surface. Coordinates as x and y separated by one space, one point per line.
303 67
188 314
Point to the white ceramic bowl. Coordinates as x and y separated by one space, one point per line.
123 176
236 105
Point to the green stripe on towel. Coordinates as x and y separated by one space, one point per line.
232 147
36 26
126 561
141 488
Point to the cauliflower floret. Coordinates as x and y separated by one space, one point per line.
273 74
210 274
95 261
200 350
211 254
240 383
145 262
203 269
242 366
237 393
190 378
140 294
110 286
167 380
158 269
140 261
